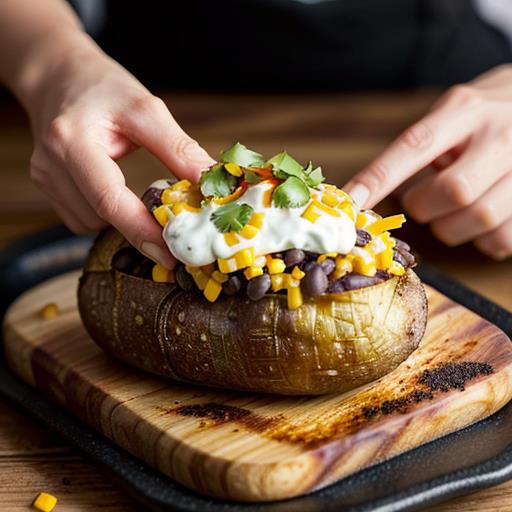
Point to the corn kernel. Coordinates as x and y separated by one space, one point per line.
181 185
227 265
44 502
161 274
201 279
233 169
212 290
256 220
252 272
326 255
343 266
348 208
326 209
244 258
219 276
277 282
231 238
310 214
177 208
249 231
297 273
161 214
294 298
260 261
51 310
291 282
330 199
396 269
366 268
276 266
360 220
169 196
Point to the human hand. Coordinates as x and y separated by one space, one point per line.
454 166
88 112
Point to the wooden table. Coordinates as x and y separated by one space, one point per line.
340 131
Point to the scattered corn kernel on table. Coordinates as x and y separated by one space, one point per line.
341 132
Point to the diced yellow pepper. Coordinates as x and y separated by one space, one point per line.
44 502
294 298
366 268
297 273
326 255
201 279
161 214
256 220
396 269
219 276
227 265
231 238
361 220
249 231
326 209
276 266
233 169
252 272
212 290
277 282
310 214
244 258
385 224
260 261
224 200
343 266
181 185
330 199
348 208
161 274
177 208
51 310
169 196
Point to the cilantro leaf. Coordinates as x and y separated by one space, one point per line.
284 165
232 216
292 193
217 182
314 176
251 177
241 155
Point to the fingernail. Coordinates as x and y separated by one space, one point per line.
197 153
360 194
157 254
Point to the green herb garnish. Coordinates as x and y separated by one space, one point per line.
242 156
284 165
314 176
232 217
252 177
292 193
217 182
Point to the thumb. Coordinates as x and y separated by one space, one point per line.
148 123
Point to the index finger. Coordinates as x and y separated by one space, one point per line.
413 150
103 185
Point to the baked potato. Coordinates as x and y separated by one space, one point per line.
283 285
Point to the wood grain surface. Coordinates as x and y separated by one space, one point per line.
340 131
254 447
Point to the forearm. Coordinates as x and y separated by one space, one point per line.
35 38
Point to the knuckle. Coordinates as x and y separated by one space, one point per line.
462 96
148 104
459 191
440 231
376 174
59 134
184 146
106 204
486 215
418 136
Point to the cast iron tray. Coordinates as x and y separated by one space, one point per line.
473 458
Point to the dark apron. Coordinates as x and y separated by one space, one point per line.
286 45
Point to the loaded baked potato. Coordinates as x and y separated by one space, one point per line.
283 285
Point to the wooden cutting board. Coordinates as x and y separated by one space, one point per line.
243 446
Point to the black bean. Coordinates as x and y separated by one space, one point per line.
315 281
183 278
232 286
294 257
309 265
152 198
382 274
126 259
402 246
336 286
363 237
403 257
258 287
328 266
354 281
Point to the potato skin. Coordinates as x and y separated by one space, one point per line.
329 345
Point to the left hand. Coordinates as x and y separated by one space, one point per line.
454 166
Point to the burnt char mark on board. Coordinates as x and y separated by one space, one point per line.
218 414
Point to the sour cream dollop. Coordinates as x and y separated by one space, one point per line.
193 238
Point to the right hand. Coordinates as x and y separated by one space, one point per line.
86 113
